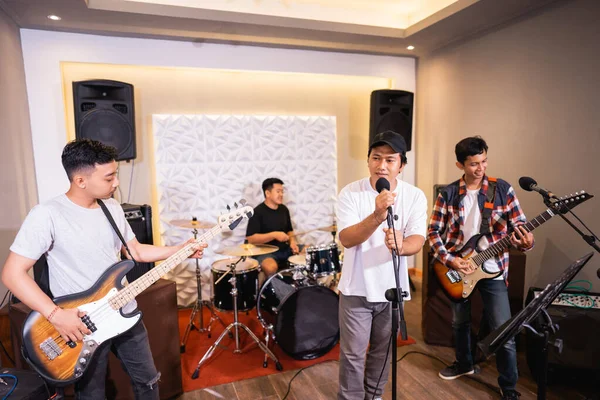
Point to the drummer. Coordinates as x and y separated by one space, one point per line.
271 224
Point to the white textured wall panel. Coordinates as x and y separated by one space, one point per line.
204 162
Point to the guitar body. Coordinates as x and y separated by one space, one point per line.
458 285
62 363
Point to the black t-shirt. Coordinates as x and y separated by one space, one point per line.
267 220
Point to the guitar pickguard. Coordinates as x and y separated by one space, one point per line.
109 322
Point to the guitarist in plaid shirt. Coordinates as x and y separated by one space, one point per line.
456 217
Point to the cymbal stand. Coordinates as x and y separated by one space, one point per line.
235 325
335 280
198 309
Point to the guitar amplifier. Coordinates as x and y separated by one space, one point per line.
140 220
28 385
578 316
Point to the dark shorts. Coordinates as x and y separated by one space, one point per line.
280 256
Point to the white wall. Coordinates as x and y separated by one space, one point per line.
44 51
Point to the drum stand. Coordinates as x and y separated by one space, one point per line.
198 309
235 325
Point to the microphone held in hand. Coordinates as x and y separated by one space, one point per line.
381 185
530 184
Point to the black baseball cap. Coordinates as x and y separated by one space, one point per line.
392 139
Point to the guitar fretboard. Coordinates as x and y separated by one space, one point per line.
504 243
129 292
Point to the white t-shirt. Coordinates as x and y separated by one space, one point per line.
368 269
473 224
79 243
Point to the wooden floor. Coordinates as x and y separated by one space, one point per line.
417 377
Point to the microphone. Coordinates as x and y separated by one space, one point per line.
529 184
381 185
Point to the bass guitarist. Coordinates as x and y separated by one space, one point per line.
80 245
476 204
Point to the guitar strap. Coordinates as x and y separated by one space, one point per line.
114 225
488 206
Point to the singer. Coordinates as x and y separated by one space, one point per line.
457 216
365 314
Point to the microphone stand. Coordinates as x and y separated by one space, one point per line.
555 205
396 296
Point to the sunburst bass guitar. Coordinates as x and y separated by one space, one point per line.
61 362
458 285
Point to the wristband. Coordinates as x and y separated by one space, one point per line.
49 317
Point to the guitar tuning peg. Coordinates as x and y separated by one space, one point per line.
228 208
243 202
235 205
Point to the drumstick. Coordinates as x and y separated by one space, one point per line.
311 230
303 233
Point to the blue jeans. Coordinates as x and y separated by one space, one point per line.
133 350
496 311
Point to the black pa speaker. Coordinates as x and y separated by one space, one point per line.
578 317
104 112
392 110
140 220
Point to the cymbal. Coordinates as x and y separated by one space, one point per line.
245 250
191 224
331 228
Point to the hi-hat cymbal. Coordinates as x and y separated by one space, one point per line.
246 250
331 228
192 224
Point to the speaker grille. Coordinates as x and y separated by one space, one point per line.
397 122
391 110
109 127
122 108
104 111
87 106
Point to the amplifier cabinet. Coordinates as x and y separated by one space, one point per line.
140 220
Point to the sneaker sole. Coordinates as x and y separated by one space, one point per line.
449 378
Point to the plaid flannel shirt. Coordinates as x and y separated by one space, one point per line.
445 233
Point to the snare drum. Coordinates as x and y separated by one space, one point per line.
323 260
297 260
246 273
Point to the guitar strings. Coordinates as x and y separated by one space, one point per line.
480 258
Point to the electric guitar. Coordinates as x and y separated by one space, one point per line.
458 285
61 362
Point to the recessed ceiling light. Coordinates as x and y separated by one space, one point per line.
410 48
54 17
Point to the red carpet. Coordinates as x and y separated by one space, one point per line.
224 366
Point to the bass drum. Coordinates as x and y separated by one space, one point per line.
303 316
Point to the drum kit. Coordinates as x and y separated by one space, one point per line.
297 307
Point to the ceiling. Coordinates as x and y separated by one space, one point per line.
360 26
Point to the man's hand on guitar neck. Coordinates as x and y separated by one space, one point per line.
521 239
68 323
462 265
